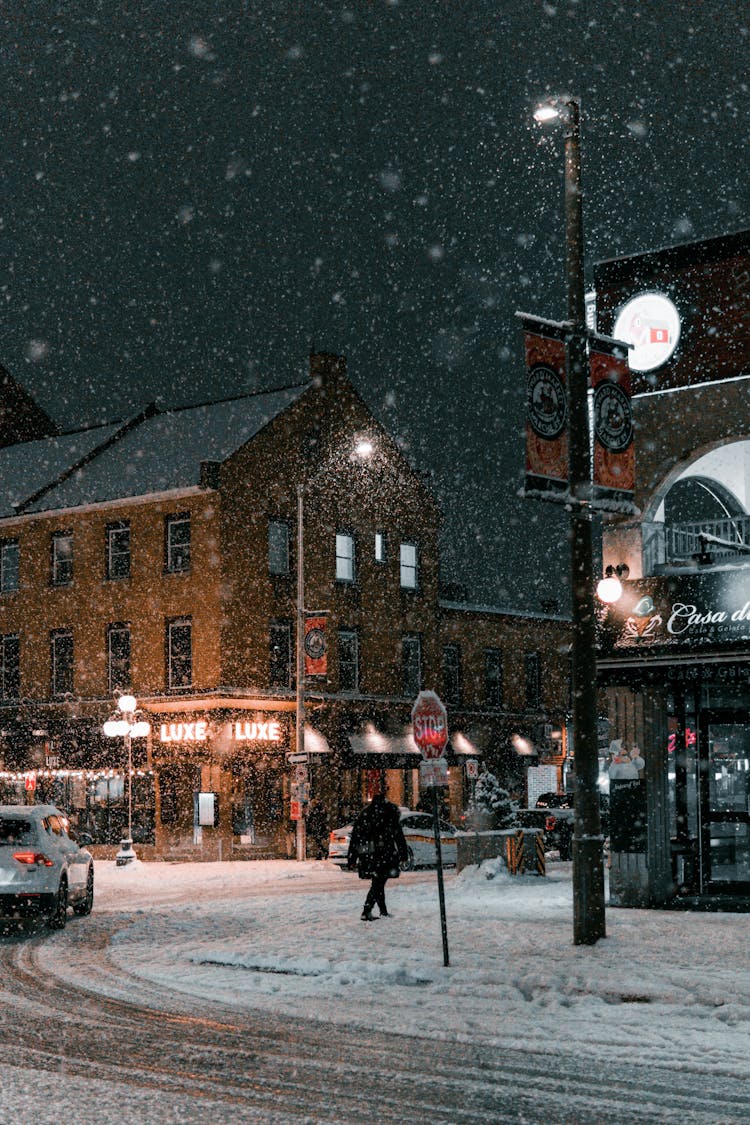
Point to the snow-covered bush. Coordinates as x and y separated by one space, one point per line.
492 805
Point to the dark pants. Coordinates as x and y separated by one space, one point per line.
376 893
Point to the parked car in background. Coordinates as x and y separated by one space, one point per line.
555 813
420 841
43 870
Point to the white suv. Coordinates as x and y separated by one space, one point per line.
42 870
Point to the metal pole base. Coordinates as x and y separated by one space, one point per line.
588 891
125 853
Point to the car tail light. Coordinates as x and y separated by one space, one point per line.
37 858
550 823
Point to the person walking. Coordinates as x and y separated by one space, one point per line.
376 848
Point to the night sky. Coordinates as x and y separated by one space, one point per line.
195 194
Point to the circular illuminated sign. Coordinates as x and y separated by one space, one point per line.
547 404
651 324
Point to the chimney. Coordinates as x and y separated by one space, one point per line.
325 368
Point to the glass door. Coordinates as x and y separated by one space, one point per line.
724 805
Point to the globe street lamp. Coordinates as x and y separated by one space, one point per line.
588 865
361 451
128 725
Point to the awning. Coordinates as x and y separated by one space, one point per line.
373 749
315 742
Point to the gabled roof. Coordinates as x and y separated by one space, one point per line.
155 452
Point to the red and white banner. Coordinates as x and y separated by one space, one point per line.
546 407
614 449
316 646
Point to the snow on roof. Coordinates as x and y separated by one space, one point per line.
26 467
161 453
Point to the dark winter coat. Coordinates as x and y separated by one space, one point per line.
377 843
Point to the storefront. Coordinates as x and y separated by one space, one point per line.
675 665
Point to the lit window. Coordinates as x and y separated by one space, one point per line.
278 547
408 566
380 546
344 557
177 543
8 565
62 558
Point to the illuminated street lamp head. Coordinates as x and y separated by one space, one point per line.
563 108
364 448
127 703
609 589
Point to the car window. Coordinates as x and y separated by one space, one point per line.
14 832
54 825
445 827
408 822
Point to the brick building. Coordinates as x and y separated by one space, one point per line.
159 556
675 648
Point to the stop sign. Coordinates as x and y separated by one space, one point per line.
430 724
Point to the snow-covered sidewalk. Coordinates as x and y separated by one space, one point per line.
673 988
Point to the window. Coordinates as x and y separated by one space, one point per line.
532 671
177 543
344 557
493 677
408 566
280 654
278 547
61 660
8 565
348 660
179 652
118 657
379 546
452 675
62 558
10 666
411 665
117 540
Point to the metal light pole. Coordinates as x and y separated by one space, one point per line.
362 451
299 745
128 726
588 867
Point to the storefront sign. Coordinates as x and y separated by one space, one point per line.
265 730
689 612
269 731
651 324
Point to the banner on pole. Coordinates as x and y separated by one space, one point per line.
316 646
546 408
614 449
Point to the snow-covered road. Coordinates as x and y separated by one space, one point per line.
252 992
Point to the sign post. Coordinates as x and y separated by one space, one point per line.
430 728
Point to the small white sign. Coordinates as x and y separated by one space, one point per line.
300 774
433 773
472 769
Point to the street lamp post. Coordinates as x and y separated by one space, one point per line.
588 866
363 450
127 726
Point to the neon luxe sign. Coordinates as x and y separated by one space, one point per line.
268 730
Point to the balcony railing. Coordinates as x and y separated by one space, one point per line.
668 544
